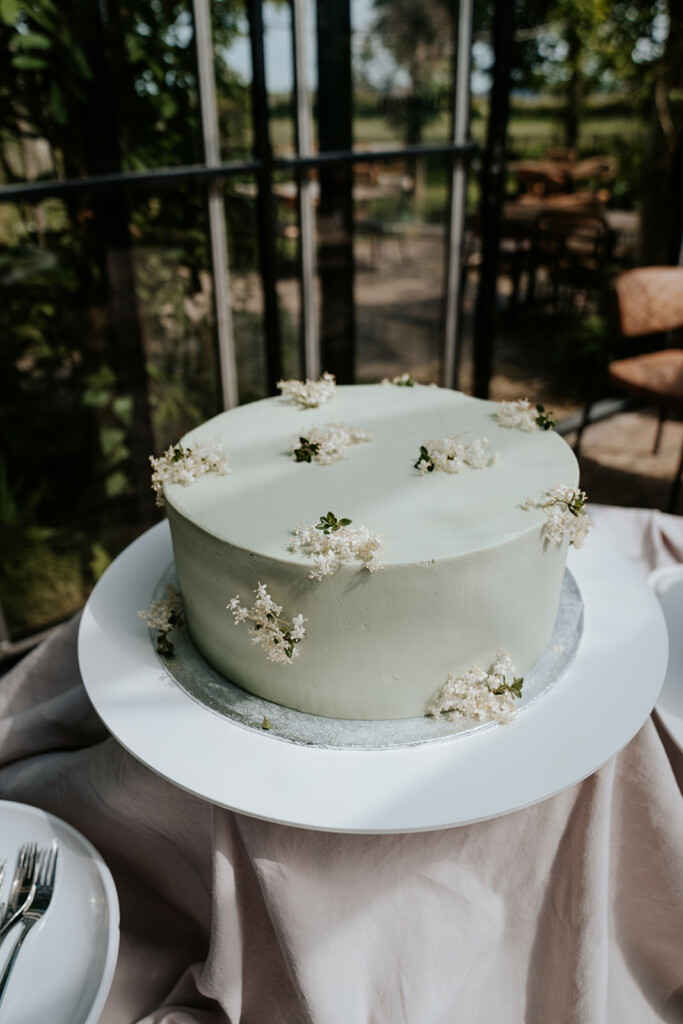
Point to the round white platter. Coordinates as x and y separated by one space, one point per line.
592 712
667 584
66 965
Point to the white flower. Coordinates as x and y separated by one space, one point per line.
344 544
327 444
520 415
298 631
479 694
278 638
183 466
523 416
403 380
309 393
453 454
565 509
164 616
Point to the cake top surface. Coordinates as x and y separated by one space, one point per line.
419 516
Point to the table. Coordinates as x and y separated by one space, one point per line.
569 911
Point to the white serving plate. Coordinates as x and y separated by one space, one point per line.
668 586
66 964
591 713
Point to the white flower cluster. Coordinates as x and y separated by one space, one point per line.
180 465
344 544
278 637
309 393
403 380
566 514
520 415
453 454
164 615
327 444
479 694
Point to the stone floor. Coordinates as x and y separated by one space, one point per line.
618 466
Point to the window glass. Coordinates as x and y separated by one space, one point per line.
277 42
97 88
400 250
233 78
402 72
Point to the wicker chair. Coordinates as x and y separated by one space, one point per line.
649 301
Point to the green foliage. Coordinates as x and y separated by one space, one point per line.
306 450
545 420
330 524
426 458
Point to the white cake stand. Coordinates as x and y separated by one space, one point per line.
591 713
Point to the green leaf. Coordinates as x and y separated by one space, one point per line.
25 62
516 687
123 407
80 61
95 398
99 560
110 439
32 41
9 11
58 104
116 484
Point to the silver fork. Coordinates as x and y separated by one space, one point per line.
21 892
44 886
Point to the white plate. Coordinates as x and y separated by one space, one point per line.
66 965
668 586
593 711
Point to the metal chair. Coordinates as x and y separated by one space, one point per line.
649 301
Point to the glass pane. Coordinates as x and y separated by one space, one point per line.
286 198
234 76
400 252
277 42
174 295
245 288
114 88
402 67
109 355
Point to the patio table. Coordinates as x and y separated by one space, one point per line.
568 911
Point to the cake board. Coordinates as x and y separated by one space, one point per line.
596 707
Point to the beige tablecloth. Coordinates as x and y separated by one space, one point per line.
568 912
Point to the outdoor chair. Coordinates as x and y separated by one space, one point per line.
649 301
575 247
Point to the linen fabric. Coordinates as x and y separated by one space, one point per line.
567 912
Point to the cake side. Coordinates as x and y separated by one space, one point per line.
380 645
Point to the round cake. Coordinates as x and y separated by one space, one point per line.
436 571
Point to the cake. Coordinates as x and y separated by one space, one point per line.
450 522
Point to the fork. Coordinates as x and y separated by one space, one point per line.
21 892
44 887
